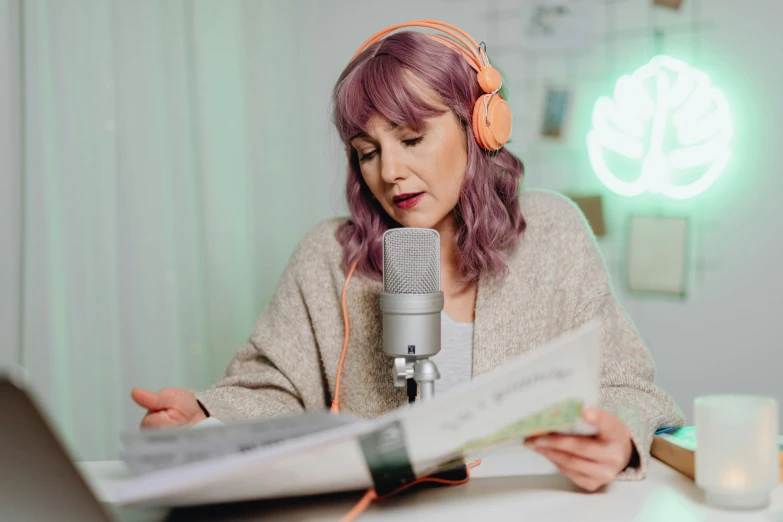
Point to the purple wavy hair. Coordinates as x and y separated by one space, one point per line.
488 218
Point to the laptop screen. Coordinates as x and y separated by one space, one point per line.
38 481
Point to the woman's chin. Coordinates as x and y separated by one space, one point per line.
419 217
416 222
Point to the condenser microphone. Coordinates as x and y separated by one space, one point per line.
411 303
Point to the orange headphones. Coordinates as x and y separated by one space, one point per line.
491 114
491 123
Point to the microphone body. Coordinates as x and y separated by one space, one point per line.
411 303
411 324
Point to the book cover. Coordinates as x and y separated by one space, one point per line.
676 448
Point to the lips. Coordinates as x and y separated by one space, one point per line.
409 200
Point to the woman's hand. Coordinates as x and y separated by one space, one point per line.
589 461
168 408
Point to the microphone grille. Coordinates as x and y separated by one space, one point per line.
411 261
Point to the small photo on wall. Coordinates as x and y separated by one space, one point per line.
673 4
558 105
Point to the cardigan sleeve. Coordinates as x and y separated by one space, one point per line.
627 367
278 370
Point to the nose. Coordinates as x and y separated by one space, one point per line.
392 169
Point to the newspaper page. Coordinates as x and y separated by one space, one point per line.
541 391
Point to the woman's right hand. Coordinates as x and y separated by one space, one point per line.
168 408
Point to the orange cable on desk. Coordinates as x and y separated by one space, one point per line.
370 495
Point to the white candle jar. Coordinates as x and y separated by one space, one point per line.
737 462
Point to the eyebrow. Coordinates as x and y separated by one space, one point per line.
362 134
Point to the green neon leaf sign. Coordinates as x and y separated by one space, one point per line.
666 126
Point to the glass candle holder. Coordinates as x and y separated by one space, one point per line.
737 458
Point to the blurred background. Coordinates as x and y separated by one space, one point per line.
159 161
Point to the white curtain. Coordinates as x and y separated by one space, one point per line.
10 181
161 166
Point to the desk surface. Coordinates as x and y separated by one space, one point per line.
492 494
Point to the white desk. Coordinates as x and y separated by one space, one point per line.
664 496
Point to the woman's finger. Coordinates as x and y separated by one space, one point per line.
608 427
583 481
579 465
148 399
588 448
585 473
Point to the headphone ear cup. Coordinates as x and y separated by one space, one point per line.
478 111
492 126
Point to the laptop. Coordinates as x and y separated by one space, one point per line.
38 480
40 483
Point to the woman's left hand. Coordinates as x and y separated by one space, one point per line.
589 461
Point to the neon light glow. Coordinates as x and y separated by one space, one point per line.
667 129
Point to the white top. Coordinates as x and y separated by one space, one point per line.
455 359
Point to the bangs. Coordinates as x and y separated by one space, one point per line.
381 85
407 78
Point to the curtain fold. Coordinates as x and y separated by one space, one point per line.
165 187
10 181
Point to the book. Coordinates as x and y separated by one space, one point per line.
541 391
676 447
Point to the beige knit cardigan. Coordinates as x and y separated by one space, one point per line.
557 280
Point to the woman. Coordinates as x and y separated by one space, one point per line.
515 270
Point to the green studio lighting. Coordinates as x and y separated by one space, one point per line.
666 131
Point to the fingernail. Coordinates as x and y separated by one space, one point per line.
541 443
590 415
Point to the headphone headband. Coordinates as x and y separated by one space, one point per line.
491 120
474 53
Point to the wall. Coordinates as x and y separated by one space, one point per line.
725 336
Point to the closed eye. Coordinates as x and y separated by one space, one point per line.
367 155
412 142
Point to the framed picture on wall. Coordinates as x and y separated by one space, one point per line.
657 255
592 207
556 115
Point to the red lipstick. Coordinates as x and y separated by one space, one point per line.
409 200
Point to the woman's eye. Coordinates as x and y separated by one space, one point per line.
413 141
364 156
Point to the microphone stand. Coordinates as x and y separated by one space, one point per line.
419 372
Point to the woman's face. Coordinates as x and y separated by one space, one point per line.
416 176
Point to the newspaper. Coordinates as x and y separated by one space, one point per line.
541 391
152 450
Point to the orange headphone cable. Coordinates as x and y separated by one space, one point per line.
371 495
336 401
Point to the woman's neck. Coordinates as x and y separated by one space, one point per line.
460 298
449 259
